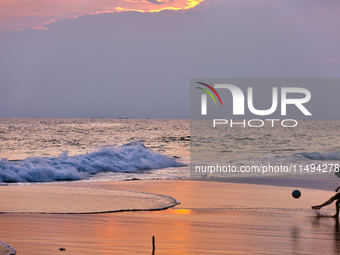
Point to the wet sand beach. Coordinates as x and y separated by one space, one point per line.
213 218
49 199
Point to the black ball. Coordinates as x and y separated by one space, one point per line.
296 193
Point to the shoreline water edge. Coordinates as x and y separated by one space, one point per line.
81 166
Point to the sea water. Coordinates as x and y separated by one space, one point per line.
45 150
311 147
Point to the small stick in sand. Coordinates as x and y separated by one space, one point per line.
153 242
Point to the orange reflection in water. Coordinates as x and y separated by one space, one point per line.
181 211
208 229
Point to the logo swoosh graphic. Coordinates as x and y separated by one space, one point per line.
209 94
212 90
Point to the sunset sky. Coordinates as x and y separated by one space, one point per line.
22 14
84 59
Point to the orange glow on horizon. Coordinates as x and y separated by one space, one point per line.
37 14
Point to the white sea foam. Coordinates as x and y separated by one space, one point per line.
319 156
7 249
42 198
303 159
129 158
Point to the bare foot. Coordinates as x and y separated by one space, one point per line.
316 207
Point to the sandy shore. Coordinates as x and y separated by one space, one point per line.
49 199
213 218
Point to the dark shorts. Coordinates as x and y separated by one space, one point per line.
337 196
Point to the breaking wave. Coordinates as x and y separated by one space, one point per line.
129 158
319 156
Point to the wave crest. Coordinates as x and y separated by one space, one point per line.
129 158
319 156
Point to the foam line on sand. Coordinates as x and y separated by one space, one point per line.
72 200
6 249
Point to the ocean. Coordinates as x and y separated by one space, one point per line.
311 147
47 150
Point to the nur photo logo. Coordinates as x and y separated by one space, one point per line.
204 97
239 99
281 98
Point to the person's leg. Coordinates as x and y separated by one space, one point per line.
328 202
337 209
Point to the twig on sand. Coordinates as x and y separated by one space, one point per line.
153 245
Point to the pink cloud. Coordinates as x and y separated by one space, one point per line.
39 13
330 60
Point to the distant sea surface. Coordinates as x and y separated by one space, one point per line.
312 147
48 150
45 150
